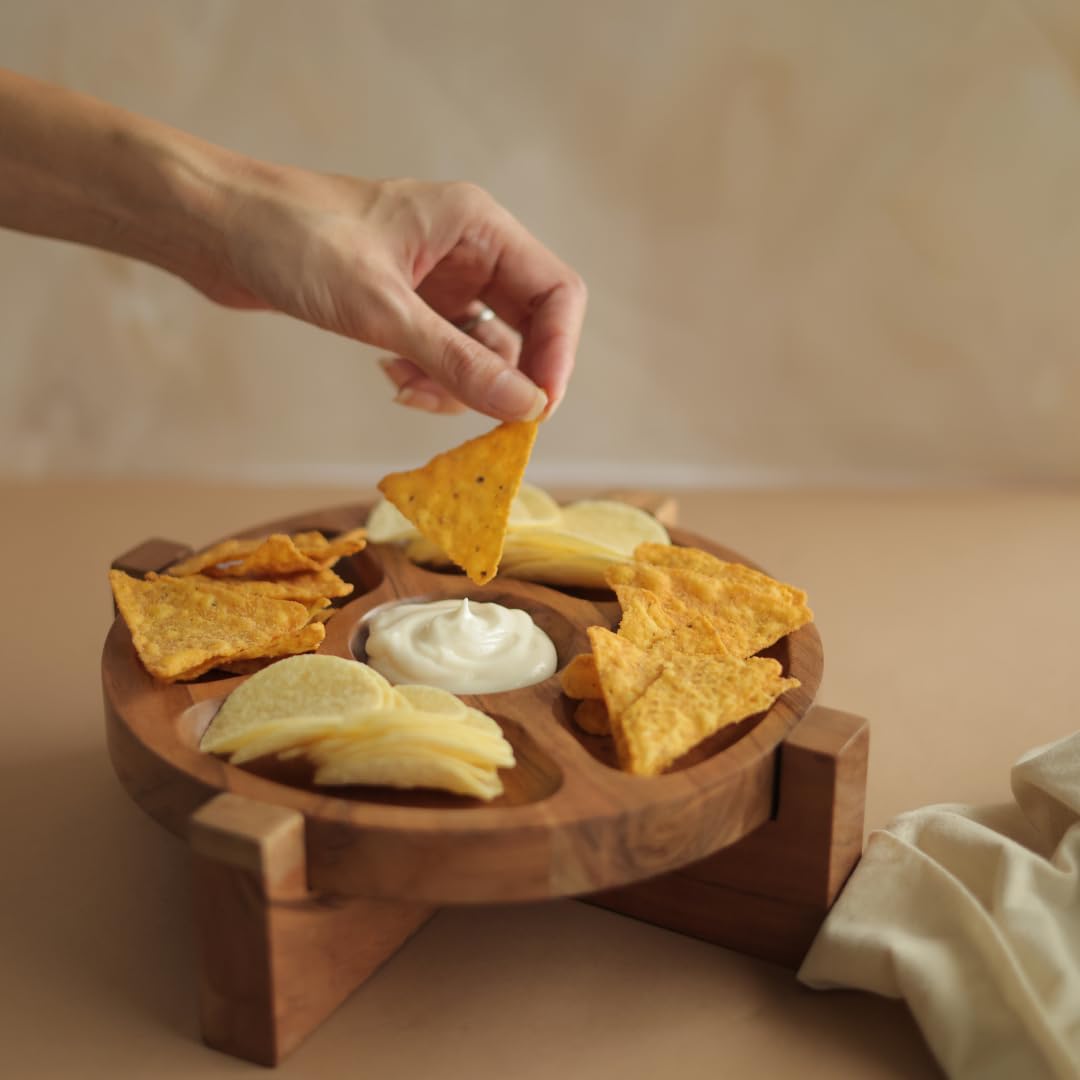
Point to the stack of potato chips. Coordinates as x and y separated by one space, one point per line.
356 728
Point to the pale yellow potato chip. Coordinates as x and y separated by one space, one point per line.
461 499
412 771
432 699
177 626
309 685
285 735
533 506
612 524
692 698
386 524
572 571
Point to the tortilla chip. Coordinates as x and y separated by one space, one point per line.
579 679
662 620
328 552
177 626
269 556
303 588
591 716
461 499
692 698
624 670
747 617
670 557
223 552
276 555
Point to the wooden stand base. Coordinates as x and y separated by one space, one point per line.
768 894
277 959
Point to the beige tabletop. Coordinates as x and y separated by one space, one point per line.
949 619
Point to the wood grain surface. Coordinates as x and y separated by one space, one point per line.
569 823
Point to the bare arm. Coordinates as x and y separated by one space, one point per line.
390 263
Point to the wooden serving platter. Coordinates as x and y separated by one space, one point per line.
281 865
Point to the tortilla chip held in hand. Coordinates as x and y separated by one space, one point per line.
461 499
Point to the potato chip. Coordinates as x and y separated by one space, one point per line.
177 626
298 686
579 678
461 499
577 571
533 506
692 698
591 716
617 526
399 770
432 699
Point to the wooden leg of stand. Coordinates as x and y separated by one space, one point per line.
275 960
768 894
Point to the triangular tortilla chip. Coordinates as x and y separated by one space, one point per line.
692 698
748 617
176 625
624 670
461 499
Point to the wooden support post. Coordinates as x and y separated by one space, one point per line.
768 894
275 959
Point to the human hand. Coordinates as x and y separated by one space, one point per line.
397 264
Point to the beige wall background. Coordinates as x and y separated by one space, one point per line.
826 240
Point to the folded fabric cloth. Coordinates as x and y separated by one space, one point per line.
972 916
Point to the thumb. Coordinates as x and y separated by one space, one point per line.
475 375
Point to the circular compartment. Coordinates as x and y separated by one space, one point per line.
569 823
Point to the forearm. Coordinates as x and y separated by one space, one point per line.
77 169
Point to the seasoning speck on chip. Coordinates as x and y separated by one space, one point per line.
460 500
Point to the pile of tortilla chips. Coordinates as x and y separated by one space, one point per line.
682 664
356 728
469 506
235 606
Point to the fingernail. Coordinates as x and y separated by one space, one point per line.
514 395
418 399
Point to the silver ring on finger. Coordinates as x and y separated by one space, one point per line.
472 322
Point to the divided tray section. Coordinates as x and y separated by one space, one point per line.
569 822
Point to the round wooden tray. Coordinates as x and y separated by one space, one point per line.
569 821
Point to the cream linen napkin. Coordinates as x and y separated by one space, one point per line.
972 916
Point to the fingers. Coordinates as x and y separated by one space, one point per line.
473 373
540 295
416 390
